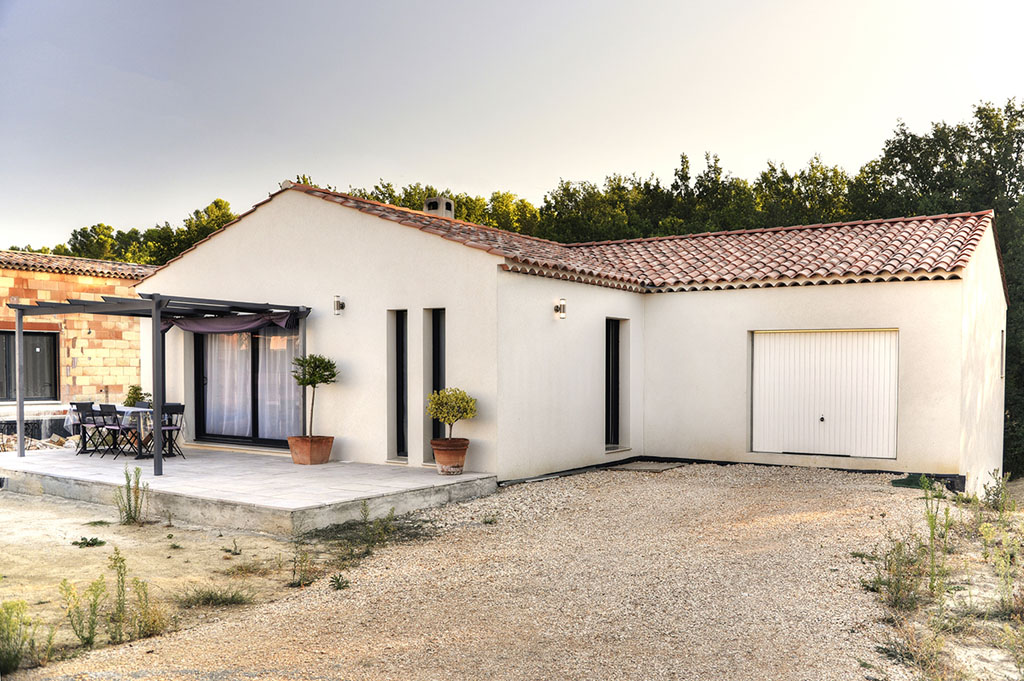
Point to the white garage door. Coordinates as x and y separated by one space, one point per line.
825 392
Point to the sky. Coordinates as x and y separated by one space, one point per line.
136 113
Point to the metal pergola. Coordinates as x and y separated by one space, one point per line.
159 308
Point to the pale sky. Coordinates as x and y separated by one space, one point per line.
133 113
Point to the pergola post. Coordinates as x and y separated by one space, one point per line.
302 353
19 377
158 388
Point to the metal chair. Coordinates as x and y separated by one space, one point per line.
122 436
170 427
89 428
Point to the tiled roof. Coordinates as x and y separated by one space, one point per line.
901 247
66 264
868 250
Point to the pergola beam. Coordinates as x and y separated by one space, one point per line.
155 306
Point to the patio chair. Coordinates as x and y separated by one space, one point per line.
90 435
172 419
122 437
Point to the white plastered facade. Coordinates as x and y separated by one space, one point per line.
685 378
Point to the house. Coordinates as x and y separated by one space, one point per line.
68 358
869 345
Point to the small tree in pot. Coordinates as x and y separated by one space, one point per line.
312 371
450 406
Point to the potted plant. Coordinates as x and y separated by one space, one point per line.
450 406
312 371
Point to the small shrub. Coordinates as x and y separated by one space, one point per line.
131 498
490 520
148 618
449 406
84 616
117 619
207 596
339 582
920 649
86 542
1013 642
176 546
98 523
15 632
303 571
135 394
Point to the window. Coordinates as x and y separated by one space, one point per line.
448 205
432 205
437 358
612 397
41 369
398 385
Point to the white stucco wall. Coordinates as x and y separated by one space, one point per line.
551 375
698 367
984 322
301 250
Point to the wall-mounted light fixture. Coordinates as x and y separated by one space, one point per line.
560 308
339 305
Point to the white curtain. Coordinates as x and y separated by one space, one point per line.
229 384
280 399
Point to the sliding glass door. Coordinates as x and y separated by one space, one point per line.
244 388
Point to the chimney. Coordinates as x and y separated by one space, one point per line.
441 206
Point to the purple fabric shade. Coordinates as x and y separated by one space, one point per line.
235 324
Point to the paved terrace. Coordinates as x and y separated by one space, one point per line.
244 489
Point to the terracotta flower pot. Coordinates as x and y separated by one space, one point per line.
450 454
312 449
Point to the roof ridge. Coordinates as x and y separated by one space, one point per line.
309 189
762 230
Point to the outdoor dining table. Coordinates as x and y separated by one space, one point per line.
129 416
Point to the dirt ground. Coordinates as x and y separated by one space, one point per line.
36 553
700 572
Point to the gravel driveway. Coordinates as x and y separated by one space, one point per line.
700 572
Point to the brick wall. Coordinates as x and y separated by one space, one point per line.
98 354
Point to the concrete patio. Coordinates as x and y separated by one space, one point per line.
244 489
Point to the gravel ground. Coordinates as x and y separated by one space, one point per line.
700 572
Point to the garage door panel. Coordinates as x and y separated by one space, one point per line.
847 378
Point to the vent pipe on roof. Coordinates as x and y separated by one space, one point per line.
440 206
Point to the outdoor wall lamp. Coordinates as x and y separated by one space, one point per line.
339 305
560 308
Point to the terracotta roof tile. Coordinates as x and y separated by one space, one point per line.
66 264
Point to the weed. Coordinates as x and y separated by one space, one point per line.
117 620
921 650
198 596
490 520
131 498
84 617
248 569
899 572
234 550
938 534
86 542
303 570
15 628
98 523
864 556
996 495
176 546
40 653
148 618
339 582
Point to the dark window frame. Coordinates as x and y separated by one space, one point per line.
9 359
402 384
437 363
612 394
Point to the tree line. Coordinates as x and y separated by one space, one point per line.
952 167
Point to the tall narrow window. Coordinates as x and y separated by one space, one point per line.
437 362
401 384
611 383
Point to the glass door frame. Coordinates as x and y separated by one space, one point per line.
199 355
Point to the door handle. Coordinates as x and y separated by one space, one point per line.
822 418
